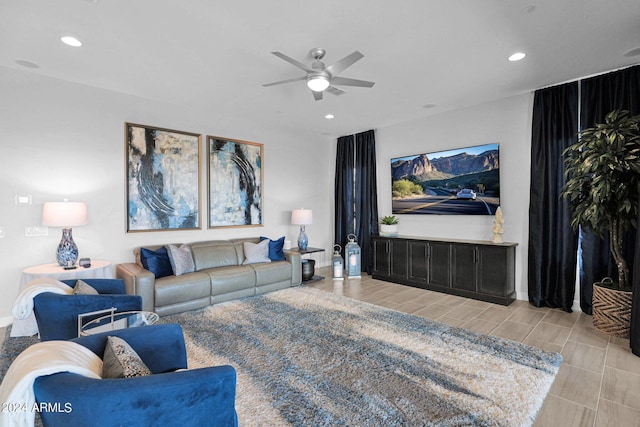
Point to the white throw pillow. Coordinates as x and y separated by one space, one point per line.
181 259
256 252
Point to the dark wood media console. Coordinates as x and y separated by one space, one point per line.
475 269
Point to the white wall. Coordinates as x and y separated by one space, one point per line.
507 122
62 140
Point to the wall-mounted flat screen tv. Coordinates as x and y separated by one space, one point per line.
463 181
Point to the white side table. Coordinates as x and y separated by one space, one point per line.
99 269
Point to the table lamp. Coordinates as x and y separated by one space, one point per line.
302 217
66 215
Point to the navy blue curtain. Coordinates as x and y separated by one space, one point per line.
635 304
618 90
356 194
344 190
552 243
366 197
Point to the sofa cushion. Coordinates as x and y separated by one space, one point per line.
276 248
122 361
156 262
230 279
181 259
175 289
272 273
256 252
213 253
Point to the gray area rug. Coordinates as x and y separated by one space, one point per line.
305 357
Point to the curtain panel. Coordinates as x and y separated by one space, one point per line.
356 193
552 243
366 197
634 341
344 190
598 96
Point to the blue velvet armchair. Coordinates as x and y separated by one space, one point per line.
57 315
197 397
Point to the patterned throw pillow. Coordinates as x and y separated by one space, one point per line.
156 262
256 252
181 259
121 361
276 248
83 288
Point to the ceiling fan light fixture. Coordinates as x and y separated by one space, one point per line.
317 83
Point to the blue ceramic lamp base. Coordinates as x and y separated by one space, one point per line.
303 241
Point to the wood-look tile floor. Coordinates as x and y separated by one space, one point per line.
598 383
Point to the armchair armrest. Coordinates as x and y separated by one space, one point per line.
160 346
203 396
296 266
57 315
138 281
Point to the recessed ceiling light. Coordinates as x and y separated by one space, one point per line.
71 41
329 116
517 56
632 52
27 64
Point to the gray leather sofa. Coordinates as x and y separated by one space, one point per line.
219 276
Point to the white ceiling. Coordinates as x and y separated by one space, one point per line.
214 55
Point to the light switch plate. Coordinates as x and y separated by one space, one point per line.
36 231
23 200
1 232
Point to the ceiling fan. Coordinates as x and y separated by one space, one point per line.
320 78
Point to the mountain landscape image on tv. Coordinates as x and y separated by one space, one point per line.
463 181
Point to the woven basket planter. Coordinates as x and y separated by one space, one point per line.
611 311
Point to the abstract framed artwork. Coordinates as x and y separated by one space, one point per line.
163 179
235 182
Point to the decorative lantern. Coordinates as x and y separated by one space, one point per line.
337 263
352 256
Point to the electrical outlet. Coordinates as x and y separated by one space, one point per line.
36 231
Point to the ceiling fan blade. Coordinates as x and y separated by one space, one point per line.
317 95
344 63
343 81
293 62
295 79
334 90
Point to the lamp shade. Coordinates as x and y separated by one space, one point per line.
302 216
64 214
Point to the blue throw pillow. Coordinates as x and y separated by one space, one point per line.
276 251
156 262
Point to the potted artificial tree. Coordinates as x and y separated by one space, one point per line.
389 226
603 175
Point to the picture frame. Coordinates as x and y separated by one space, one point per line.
458 181
235 182
162 178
